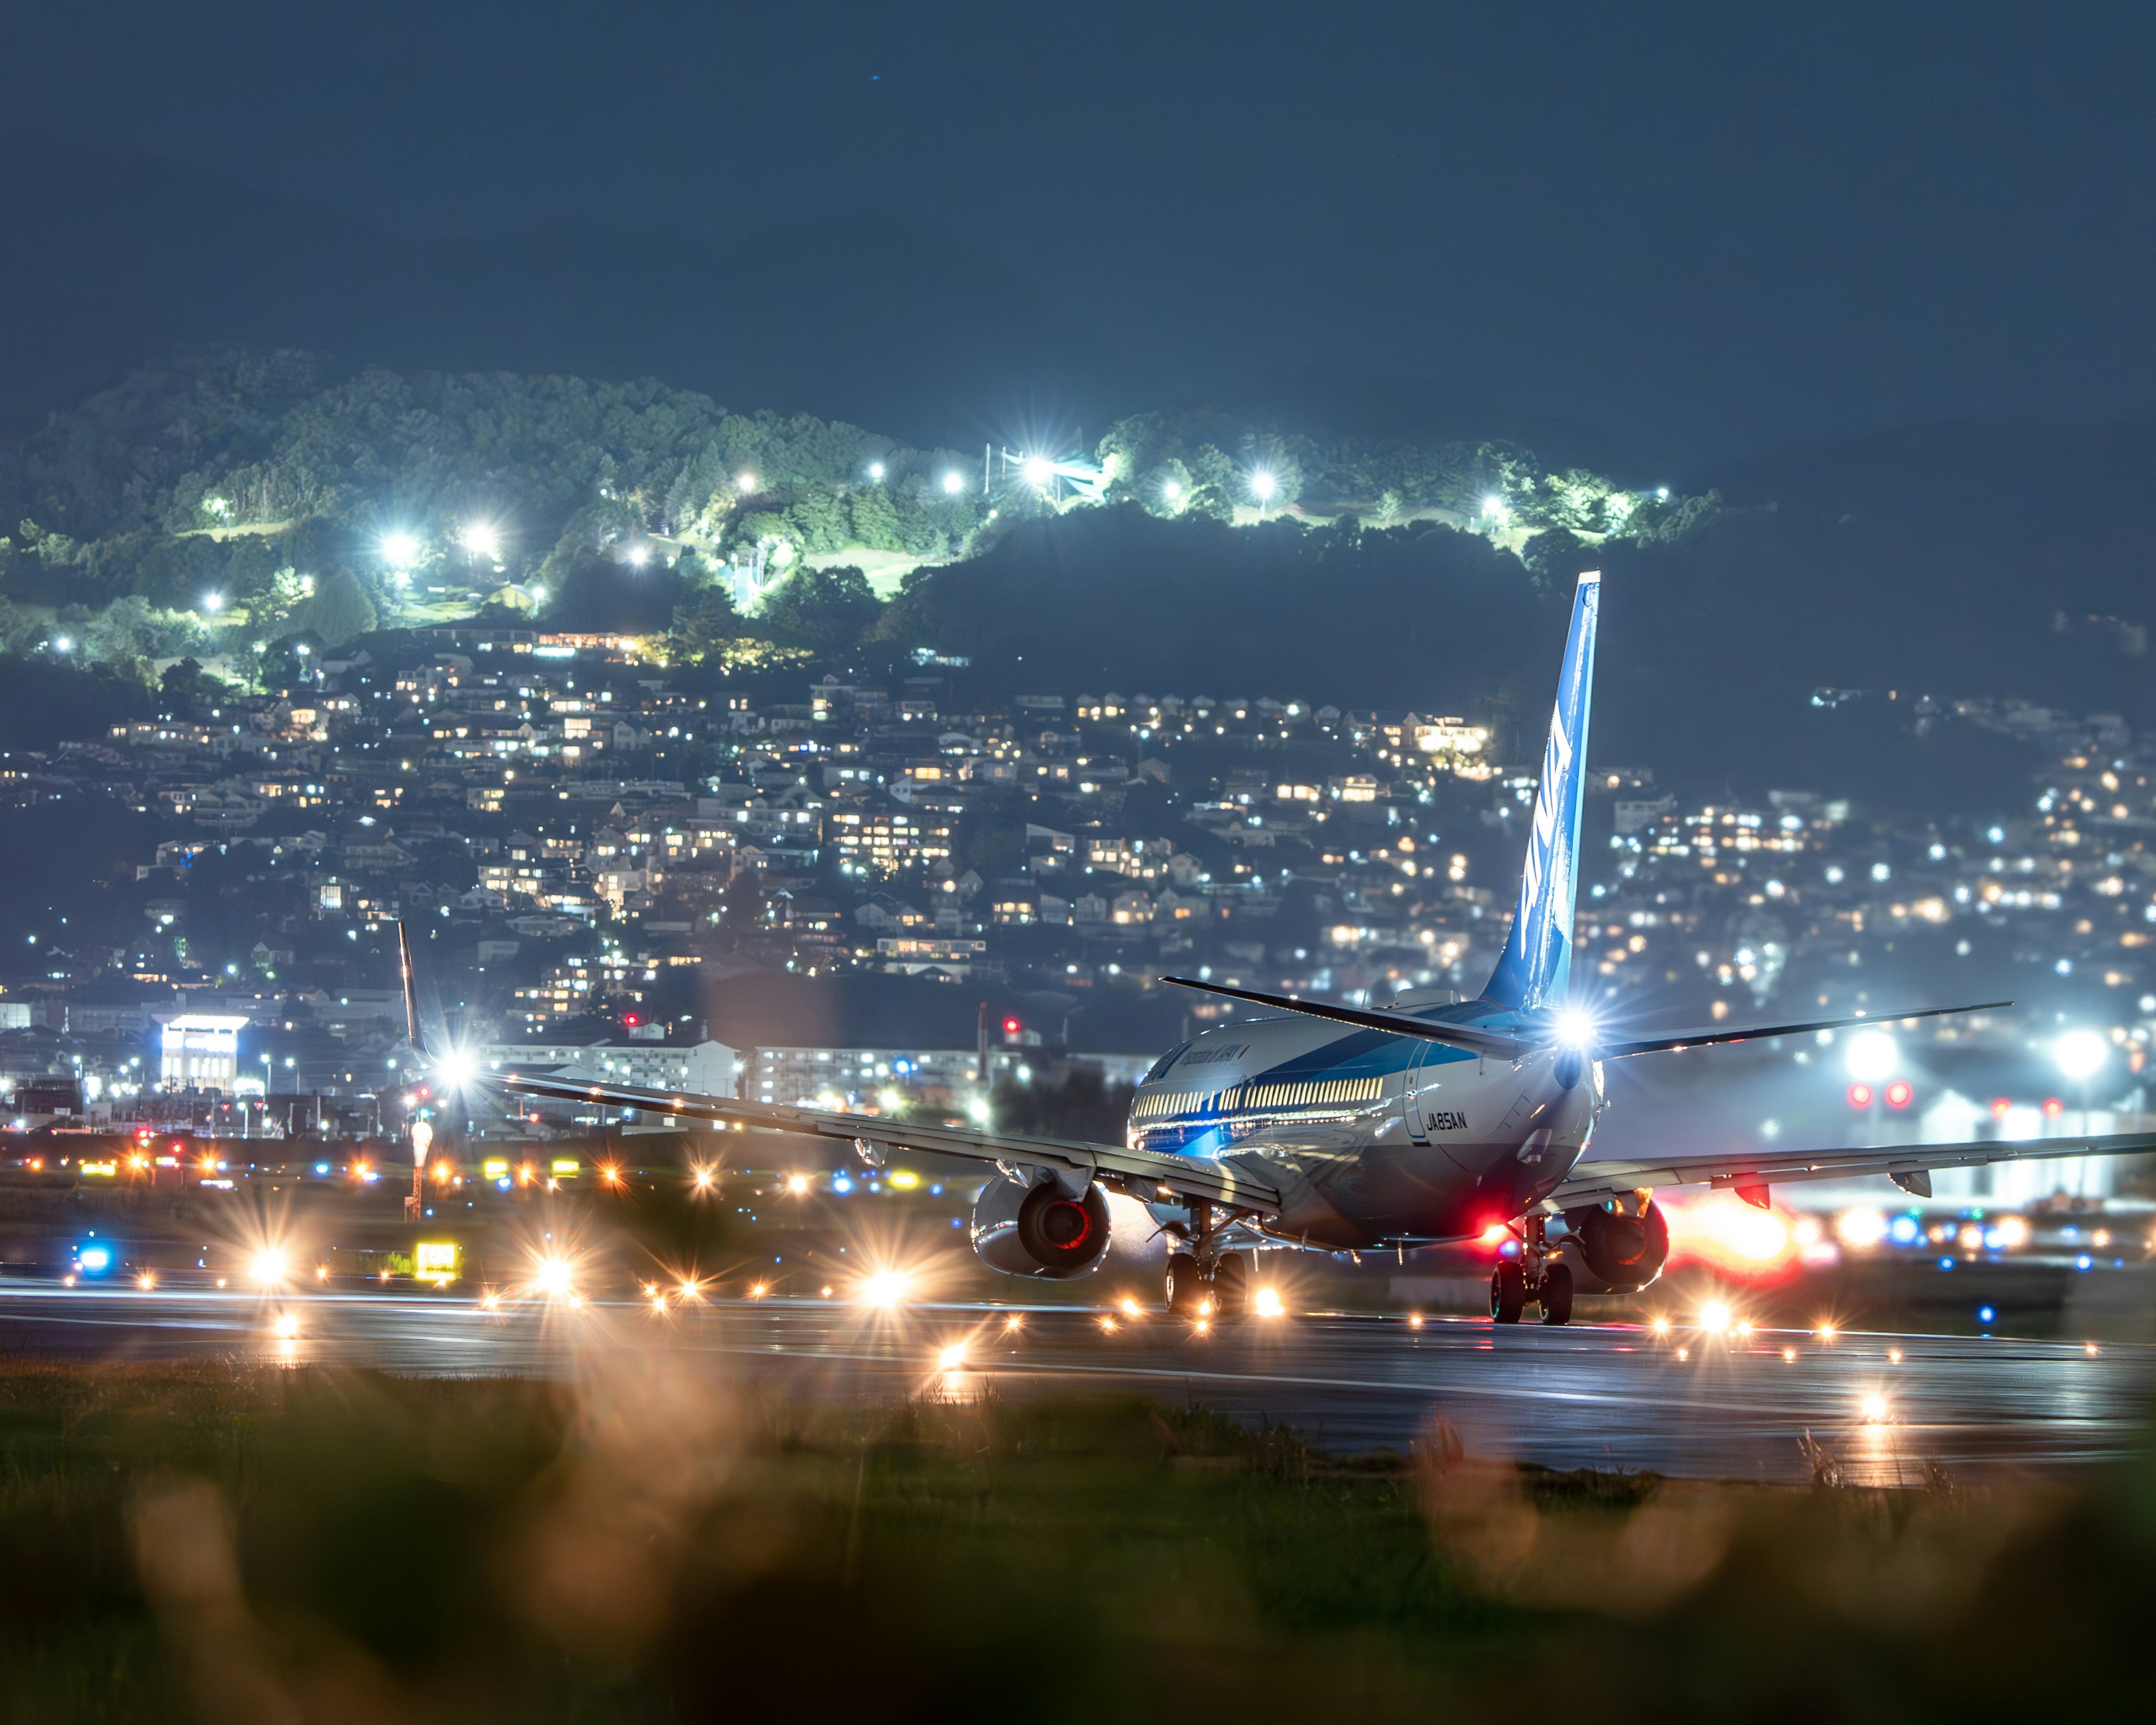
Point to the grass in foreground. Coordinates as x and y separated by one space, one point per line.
242 1544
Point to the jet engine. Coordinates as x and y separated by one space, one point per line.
1039 1230
1625 1250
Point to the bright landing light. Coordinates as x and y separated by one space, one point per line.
886 1288
269 1265
2080 1054
550 1276
1267 1304
1714 1317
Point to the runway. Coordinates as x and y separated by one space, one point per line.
1688 1403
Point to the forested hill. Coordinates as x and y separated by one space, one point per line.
228 507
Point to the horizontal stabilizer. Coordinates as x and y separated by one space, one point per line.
1495 1044
1618 1049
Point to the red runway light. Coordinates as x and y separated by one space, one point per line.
1860 1095
1899 1094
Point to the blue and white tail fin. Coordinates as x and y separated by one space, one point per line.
1535 966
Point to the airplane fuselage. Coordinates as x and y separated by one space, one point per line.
1374 1137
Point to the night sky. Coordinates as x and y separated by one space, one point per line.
1689 232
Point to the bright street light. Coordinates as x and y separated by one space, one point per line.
480 540
1494 507
745 484
400 550
1037 470
638 555
212 602
1263 485
1172 491
953 484
875 471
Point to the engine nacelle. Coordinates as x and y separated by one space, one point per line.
1039 1230
1626 1251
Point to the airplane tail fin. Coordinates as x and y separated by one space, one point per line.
1535 966
411 994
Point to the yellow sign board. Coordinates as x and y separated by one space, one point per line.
108 1169
434 1261
565 1166
496 1167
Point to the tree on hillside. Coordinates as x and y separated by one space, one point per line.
823 609
340 611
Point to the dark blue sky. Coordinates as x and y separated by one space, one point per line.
1700 230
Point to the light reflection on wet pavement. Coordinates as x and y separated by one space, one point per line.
1686 1404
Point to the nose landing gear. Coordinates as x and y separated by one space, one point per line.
1538 1277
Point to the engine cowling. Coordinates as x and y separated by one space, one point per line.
1039 1230
1626 1251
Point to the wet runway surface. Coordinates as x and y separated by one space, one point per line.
1686 1404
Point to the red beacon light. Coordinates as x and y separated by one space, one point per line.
1899 1094
2000 1107
1012 1027
1860 1095
2053 1107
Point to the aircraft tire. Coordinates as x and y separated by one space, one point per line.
1186 1287
1556 1295
1508 1294
1231 1284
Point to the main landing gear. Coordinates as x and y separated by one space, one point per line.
1537 1275
1204 1282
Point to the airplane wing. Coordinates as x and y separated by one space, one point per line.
1752 1172
1141 1174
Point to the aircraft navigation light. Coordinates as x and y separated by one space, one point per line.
952 1358
400 550
2080 1054
886 1288
1267 1303
1872 1056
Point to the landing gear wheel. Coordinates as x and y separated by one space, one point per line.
1556 1294
1186 1286
1508 1294
1231 1284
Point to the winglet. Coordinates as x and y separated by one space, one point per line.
411 992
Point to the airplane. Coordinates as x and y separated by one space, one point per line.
1329 1127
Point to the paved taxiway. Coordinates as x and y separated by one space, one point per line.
1686 1403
